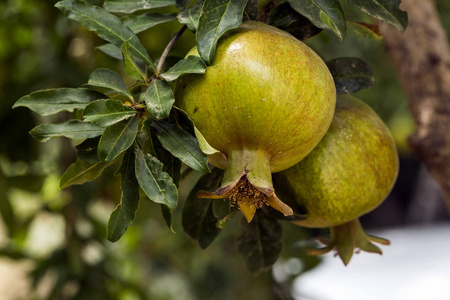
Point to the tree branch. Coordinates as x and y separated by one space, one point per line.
421 56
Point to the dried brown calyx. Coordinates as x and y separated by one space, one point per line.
248 198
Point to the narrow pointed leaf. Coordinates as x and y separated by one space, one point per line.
191 64
122 217
139 23
325 14
387 11
111 50
87 150
369 31
105 78
190 16
259 242
168 217
159 99
106 25
48 102
117 138
218 16
130 65
80 172
181 144
129 6
156 184
350 74
172 165
107 112
73 129
198 219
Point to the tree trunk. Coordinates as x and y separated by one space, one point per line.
421 56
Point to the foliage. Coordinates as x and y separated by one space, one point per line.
124 118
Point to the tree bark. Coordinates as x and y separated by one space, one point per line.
421 56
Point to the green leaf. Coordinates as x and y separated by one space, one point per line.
157 185
73 129
130 65
188 125
48 102
111 50
259 242
350 74
285 17
87 150
129 6
117 138
181 144
191 64
386 10
168 217
122 217
106 25
198 219
159 99
223 211
145 21
369 31
218 16
190 16
105 78
325 14
80 172
107 112
172 165
251 10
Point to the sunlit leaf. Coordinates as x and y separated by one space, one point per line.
107 112
48 102
130 65
73 129
369 31
191 64
218 16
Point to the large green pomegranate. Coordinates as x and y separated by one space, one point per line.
348 174
264 104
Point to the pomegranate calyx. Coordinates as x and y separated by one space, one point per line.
348 238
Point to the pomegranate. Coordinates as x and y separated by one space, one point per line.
264 104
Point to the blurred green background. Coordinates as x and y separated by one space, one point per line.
57 238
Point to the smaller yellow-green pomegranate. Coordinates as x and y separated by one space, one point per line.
264 104
349 173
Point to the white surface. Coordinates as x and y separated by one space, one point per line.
416 266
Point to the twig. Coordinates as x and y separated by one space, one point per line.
168 48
